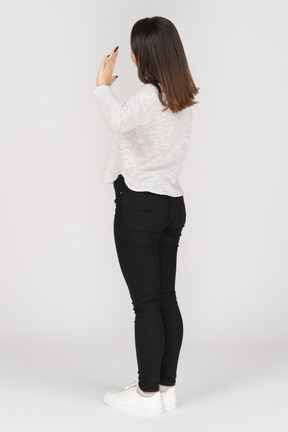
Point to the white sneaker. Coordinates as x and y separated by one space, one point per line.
169 399
129 400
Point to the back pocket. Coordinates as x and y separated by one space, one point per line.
152 209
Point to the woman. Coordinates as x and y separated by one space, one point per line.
151 135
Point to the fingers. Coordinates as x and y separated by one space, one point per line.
115 50
111 58
113 53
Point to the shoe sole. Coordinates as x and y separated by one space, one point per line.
133 410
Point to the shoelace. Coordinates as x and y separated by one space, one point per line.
133 383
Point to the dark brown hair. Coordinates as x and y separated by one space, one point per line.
161 61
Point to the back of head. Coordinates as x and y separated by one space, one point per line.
161 61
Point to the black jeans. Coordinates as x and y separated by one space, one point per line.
147 229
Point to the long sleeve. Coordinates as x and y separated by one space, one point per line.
122 117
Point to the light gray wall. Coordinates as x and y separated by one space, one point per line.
60 277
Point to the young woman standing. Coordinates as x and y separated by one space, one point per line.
151 136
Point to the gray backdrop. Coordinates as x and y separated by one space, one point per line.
60 281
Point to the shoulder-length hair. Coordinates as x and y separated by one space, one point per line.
161 61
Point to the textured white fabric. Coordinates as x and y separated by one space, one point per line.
147 147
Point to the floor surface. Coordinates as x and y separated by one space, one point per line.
57 387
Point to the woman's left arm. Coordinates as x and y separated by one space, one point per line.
123 117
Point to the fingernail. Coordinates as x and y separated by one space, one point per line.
116 76
116 48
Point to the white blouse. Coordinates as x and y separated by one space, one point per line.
147 146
